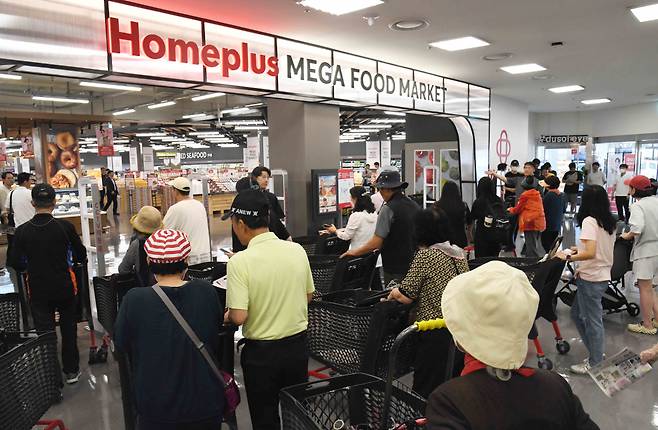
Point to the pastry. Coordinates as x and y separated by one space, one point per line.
68 159
53 153
65 140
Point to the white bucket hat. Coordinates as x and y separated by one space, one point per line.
490 311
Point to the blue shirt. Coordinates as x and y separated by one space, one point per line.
555 205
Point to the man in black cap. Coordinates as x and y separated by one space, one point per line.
512 177
394 234
48 248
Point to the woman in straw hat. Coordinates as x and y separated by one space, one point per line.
144 223
489 312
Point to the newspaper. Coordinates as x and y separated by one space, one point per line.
618 372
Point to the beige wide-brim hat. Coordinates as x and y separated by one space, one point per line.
490 311
147 220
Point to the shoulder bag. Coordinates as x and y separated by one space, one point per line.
231 391
11 223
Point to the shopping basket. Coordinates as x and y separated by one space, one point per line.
30 381
544 277
209 272
353 330
332 273
109 291
358 401
326 244
10 312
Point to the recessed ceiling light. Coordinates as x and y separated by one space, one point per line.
497 57
460 43
566 89
59 99
123 112
542 77
207 96
409 24
161 105
339 7
250 127
596 101
394 113
205 133
10 76
646 13
154 134
239 110
388 121
194 115
523 68
110 86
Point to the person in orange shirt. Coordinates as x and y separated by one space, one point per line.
532 221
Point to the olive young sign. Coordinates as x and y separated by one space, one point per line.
146 43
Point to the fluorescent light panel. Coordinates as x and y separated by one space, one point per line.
207 96
244 122
206 134
646 13
229 145
59 99
150 134
194 115
107 86
566 89
10 76
124 112
161 105
375 126
394 113
388 121
459 44
523 68
250 127
237 110
596 101
339 7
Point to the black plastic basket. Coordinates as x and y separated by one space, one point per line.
109 292
356 400
353 331
331 245
309 243
10 312
323 269
30 381
210 271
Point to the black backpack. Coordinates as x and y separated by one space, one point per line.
499 230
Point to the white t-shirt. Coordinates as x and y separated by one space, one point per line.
359 229
189 216
4 192
596 178
377 200
598 268
21 200
644 214
621 189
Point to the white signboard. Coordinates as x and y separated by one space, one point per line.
372 152
147 158
385 153
252 154
134 164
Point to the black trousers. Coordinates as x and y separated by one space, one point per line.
102 193
268 367
431 365
623 209
112 200
43 312
209 424
547 239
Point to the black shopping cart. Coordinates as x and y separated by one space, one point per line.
209 272
322 244
613 300
544 277
10 312
30 381
359 400
331 273
353 330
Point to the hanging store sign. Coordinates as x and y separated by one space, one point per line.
129 43
105 140
564 138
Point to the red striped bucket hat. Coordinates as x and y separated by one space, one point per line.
167 246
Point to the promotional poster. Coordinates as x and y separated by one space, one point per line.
327 193
63 157
422 158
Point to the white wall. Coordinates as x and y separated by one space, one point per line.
513 117
626 120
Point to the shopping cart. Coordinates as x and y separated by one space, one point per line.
332 273
209 272
353 330
30 381
358 401
10 312
544 277
322 245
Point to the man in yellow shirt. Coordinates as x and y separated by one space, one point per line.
268 289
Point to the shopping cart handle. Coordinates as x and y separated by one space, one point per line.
431 324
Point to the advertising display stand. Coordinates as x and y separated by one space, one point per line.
324 198
431 190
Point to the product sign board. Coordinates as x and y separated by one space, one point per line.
131 43
564 138
372 152
147 158
3 152
345 183
27 147
385 149
134 162
105 140
252 153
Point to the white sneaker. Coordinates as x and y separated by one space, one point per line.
72 378
581 368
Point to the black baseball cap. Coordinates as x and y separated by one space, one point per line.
250 203
514 163
43 193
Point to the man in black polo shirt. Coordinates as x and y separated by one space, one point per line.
48 248
394 234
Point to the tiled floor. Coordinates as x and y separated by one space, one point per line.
95 402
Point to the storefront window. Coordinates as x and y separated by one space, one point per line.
649 160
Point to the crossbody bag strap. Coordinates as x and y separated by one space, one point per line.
200 346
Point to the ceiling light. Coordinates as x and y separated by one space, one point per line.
387 121
253 105
250 127
110 86
236 110
339 7
497 57
398 137
194 115
229 145
220 140
595 101
161 147
207 96
59 99
566 89
409 25
244 122
646 13
161 105
375 126
151 134
394 113
10 76
123 112
201 134
166 138
121 140
460 43
523 68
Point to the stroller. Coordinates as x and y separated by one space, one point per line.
614 300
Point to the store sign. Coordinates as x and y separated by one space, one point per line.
105 140
144 43
195 155
564 138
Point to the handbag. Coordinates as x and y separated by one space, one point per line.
231 390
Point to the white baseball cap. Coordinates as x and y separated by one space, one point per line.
181 183
490 311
